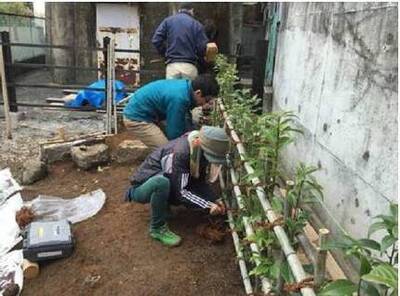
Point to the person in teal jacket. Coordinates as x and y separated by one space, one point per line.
168 100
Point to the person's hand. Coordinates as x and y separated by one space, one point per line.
217 208
221 204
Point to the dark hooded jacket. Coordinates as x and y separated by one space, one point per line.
173 162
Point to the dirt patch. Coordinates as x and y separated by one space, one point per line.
114 254
214 231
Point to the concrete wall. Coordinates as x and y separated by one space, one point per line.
336 68
72 24
33 34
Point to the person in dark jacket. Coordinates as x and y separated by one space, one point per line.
168 100
176 174
182 41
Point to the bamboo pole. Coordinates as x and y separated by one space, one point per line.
291 257
5 95
320 264
265 284
236 242
286 212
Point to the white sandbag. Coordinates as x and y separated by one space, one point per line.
11 270
8 186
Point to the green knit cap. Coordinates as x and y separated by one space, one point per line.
215 144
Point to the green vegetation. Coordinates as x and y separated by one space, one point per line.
264 137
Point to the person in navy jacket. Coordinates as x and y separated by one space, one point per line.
182 41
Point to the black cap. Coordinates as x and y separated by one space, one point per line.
186 5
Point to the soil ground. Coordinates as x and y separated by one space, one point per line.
114 254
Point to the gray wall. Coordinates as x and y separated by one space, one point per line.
72 24
336 68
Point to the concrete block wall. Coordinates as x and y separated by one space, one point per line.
336 68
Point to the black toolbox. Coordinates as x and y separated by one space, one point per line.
47 240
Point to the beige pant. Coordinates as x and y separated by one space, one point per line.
181 71
149 133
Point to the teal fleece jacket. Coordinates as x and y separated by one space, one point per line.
169 100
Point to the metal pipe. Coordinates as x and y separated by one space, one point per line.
291 257
109 88
236 242
40 66
63 86
113 98
64 47
63 108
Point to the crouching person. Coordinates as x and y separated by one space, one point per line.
176 174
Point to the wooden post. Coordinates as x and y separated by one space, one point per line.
30 269
5 95
320 264
9 72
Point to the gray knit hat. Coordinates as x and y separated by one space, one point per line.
215 144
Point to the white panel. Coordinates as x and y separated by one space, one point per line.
121 21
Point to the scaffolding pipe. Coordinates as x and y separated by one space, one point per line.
236 242
265 284
291 257
113 97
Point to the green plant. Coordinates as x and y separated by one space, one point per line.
378 260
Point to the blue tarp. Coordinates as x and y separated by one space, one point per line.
96 98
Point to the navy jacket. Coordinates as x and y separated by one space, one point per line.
173 162
181 38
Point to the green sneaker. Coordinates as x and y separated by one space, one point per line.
165 236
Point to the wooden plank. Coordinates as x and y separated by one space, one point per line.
334 270
63 99
69 91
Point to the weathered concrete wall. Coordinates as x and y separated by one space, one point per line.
336 68
72 24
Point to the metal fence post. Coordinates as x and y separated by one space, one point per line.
12 97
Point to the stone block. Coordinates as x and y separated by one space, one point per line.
33 170
53 152
130 151
87 157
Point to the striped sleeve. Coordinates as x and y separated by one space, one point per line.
191 197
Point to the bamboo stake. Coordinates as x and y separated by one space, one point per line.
266 285
291 257
320 264
236 242
286 211
71 138
5 95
